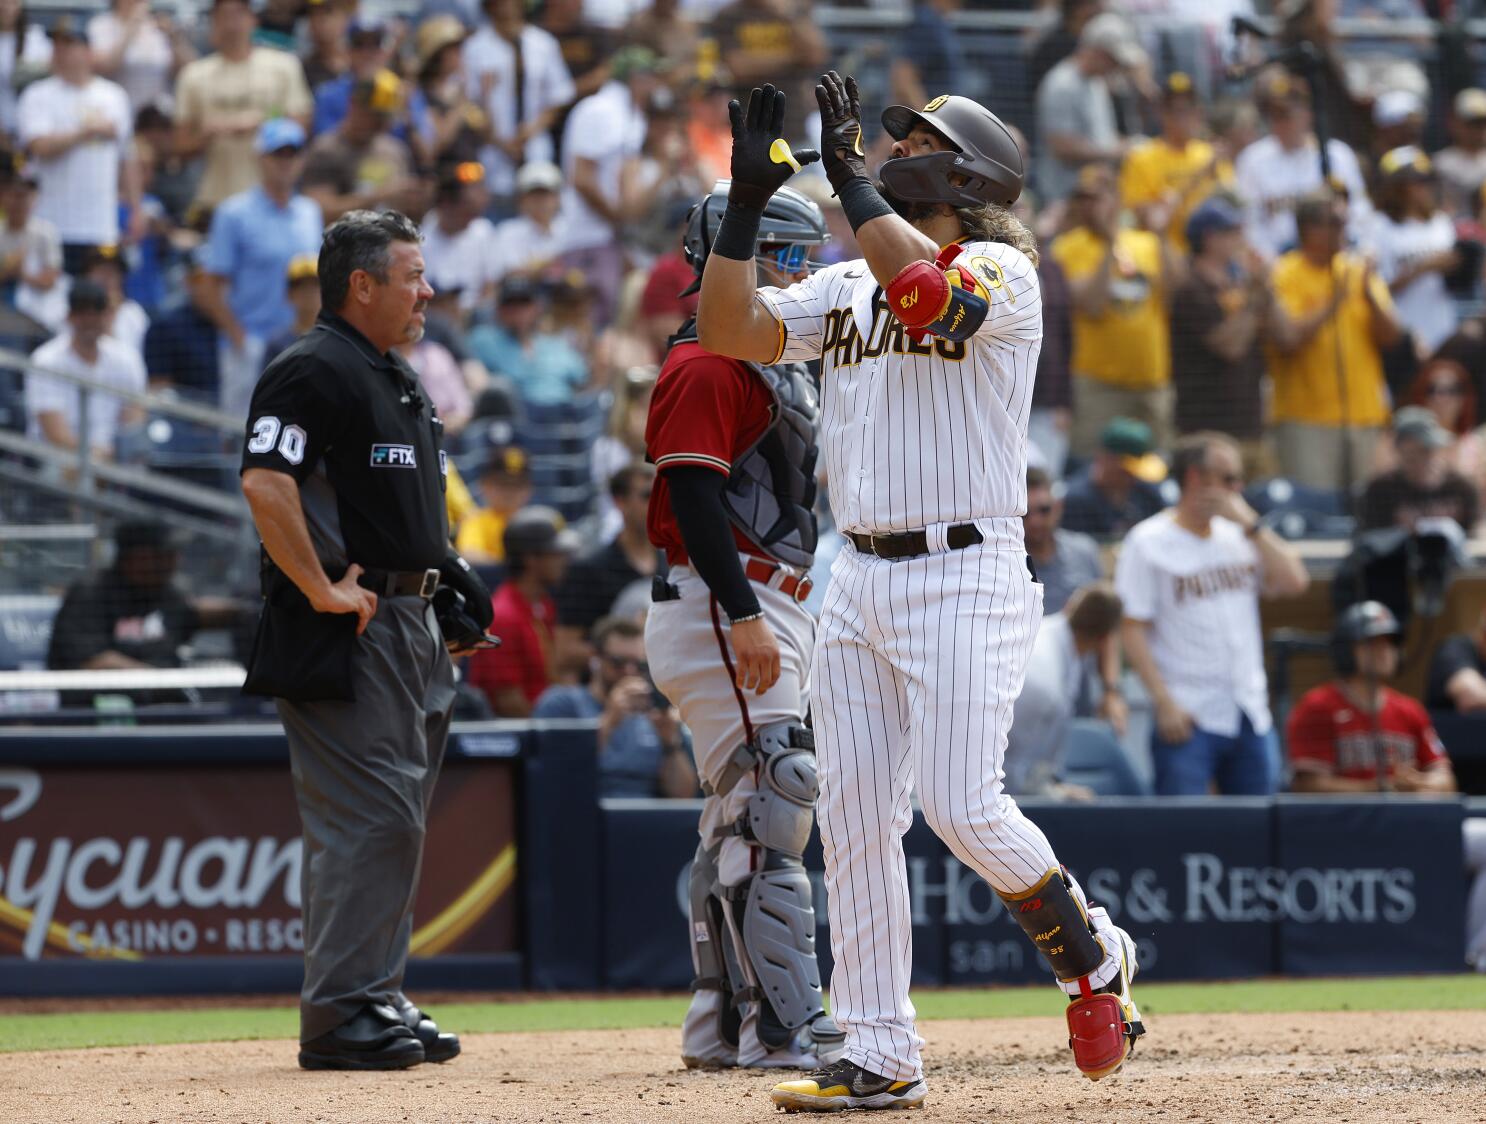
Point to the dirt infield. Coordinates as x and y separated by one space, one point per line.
1341 1068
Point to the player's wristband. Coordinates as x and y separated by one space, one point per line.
737 234
745 619
861 202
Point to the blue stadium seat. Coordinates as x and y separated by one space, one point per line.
26 630
1298 512
1096 758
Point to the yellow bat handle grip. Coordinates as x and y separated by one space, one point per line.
779 153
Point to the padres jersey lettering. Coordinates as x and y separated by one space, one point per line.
917 433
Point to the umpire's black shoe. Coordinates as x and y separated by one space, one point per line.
376 1038
437 1046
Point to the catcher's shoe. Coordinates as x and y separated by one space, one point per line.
814 1045
1104 1024
844 1085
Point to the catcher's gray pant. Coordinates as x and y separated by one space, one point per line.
364 773
689 648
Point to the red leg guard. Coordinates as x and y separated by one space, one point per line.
1098 1035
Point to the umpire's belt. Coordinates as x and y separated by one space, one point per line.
910 544
400 583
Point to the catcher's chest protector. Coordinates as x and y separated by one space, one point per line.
770 495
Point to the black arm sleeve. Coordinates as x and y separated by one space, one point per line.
696 500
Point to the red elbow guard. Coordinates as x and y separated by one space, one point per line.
919 295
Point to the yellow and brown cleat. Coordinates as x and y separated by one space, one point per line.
843 1085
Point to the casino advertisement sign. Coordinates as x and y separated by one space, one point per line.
135 864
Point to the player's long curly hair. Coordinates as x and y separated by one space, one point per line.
997 224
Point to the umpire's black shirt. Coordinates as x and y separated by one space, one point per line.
356 430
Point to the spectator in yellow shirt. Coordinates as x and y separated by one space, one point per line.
505 488
1332 318
1164 179
1119 281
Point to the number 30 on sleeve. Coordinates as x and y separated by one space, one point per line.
291 442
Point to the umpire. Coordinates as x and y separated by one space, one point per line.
345 478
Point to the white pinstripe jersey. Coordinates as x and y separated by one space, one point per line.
915 434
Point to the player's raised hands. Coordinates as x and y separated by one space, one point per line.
840 128
762 160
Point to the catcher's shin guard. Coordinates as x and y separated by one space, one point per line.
772 913
710 1036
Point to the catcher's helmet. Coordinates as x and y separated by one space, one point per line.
1365 620
791 223
985 154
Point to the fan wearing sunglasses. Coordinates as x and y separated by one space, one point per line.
1064 559
1191 578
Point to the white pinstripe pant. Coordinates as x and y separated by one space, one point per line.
917 664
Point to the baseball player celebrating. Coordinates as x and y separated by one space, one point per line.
928 349
729 642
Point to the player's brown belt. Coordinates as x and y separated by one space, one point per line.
910 544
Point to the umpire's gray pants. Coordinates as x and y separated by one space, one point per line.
363 775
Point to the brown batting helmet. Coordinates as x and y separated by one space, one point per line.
985 155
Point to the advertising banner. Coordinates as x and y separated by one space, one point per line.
1209 889
1359 886
135 864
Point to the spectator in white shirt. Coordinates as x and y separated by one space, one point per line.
25 52
1414 244
140 49
520 119
603 132
1191 578
534 238
458 239
31 255
128 321
75 126
1084 634
1462 165
1275 172
86 350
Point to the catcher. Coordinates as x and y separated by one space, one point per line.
729 641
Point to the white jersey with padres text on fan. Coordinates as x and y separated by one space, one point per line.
917 661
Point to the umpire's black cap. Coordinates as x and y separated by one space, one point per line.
986 155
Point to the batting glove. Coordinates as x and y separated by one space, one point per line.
762 160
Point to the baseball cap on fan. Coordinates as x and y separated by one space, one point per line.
1470 105
1112 34
1131 441
1395 107
280 133
1417 423
538 175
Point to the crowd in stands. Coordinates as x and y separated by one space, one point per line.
165 182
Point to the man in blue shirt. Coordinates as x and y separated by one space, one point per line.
1118 488
368 41
546 369
641 748
254 235
180 349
